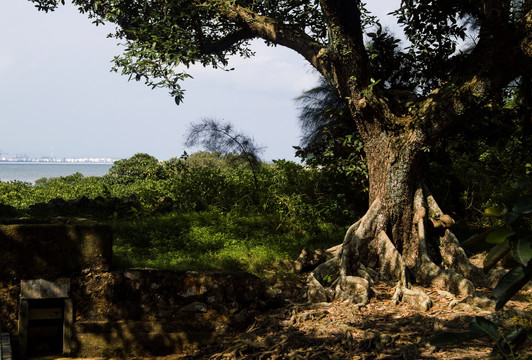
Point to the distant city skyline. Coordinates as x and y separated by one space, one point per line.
7 158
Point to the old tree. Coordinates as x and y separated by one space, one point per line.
401 100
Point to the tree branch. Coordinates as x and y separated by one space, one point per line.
347 39
226 42
492 65
276 32
345 16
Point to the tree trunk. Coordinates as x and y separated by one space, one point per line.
403 237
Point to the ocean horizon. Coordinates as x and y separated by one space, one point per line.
32 171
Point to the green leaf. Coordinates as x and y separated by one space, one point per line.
523 205
495 254
478 328
499 235
480 324
512 341
510 284
522 250
495 211
511 217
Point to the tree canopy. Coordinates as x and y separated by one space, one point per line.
161 35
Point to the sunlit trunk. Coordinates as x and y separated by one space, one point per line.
394 176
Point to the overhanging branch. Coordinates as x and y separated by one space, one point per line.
276 32
226 42
493 64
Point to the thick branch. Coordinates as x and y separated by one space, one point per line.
344 18
276 32
346 40
494 63
226 42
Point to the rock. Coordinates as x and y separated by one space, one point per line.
132 275
414 296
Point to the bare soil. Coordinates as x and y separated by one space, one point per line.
379 330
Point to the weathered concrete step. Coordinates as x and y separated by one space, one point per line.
5 348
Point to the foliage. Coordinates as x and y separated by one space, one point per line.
476 167
219 137
511 237
505 344
200 214
330 140
139 166
159 37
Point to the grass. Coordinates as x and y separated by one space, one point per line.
213 240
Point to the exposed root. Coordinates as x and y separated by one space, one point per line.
414 296
452 254
338 277
427 271
430 273
359 233
434 258
323 276
454 258
353 288
392 265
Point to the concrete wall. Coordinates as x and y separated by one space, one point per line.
52 250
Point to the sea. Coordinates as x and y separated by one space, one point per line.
31 171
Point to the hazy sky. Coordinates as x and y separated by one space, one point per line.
58 96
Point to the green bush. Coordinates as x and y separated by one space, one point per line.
138 167
199 211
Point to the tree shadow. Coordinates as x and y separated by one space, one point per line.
345 331
141 312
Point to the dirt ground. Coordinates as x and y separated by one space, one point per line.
379 330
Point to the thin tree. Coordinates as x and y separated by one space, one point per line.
221 137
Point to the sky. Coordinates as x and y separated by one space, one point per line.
59 98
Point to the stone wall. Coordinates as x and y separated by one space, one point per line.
143 312
116 313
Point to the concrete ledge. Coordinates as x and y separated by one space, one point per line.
44 289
